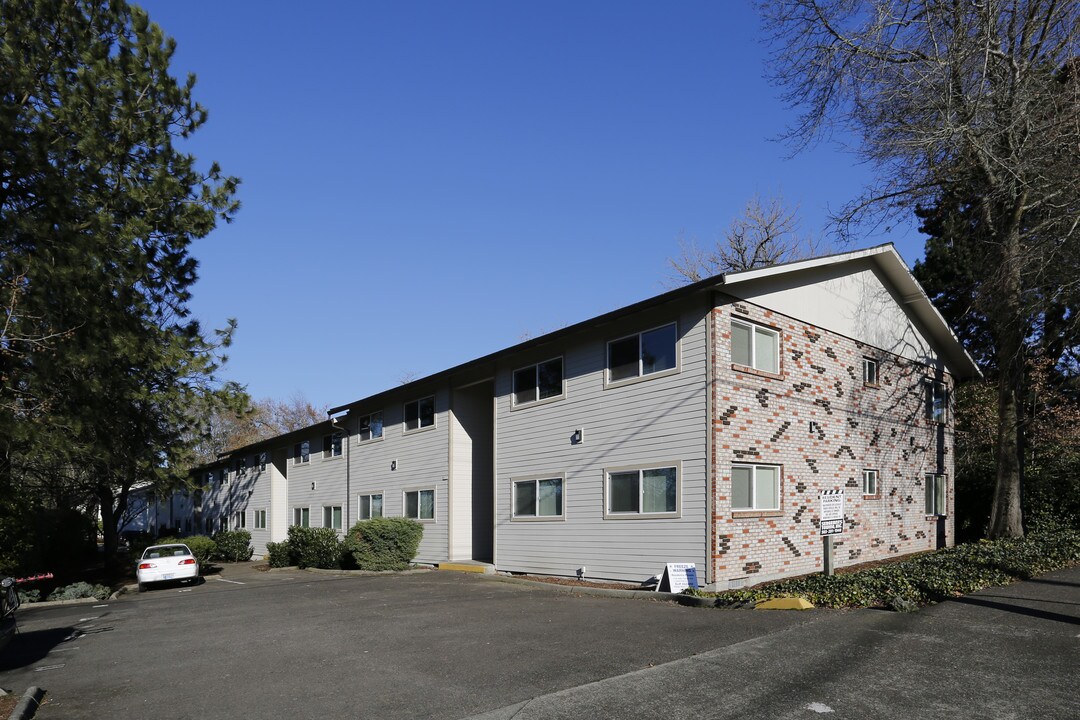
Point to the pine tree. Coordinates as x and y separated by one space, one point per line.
105 374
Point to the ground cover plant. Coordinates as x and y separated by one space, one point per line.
930 577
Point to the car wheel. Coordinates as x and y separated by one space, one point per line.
142 588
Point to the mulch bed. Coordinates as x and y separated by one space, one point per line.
574 582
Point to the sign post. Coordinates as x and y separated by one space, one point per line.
832 523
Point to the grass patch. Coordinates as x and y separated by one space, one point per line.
930 577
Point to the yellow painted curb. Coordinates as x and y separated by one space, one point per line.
462 567
789 603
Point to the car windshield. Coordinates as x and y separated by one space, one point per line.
161 551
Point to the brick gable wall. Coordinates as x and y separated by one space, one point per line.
766 419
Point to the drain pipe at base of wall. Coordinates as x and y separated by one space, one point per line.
348 490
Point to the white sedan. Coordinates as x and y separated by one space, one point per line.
161 563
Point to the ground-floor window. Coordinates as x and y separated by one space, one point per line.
241 520
755 487
302 517
935 494
370 506
642 491
260 520
538 498
331 516
419 504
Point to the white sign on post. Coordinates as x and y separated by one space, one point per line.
677 577
832 512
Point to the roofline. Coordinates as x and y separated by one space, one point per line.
654 301
884 256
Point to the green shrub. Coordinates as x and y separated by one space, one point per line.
314 547
384 543
277 554
80 590
233 545
203 548
29 596
925 578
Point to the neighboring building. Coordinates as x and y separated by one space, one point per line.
696 426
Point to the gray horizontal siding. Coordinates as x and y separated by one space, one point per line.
662 419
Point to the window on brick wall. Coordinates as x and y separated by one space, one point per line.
869 482
937 401
755 487
935 494
869 371
755 346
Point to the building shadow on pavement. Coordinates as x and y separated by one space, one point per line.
27 648
1019 609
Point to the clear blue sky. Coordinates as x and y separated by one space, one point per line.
428 182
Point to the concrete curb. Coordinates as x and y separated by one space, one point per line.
594 591
58 603
28 705
328 571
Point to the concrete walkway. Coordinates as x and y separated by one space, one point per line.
1009 652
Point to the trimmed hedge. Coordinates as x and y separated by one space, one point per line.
277 554
233 546
384 543
926 578
314 547
79 590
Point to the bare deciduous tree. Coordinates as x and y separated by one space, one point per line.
768 232
977 100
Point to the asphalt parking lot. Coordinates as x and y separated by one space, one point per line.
448 645
298 644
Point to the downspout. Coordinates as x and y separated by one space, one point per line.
348 489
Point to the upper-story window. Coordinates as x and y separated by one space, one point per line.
643 354
331 445
869 371
261 458
420 413
301 452
937 401
370 427
755 346
240 466
538 382
869 482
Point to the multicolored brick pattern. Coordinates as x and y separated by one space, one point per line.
823 426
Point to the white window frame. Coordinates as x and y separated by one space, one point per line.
419 420
336 442
258 521
262 458
753 327
937 402
298 516
225 523
626 515
366 419
328 515
241 520
536 480
870 372
641 374
871 480
537 400
418 490
300 457
937 500
359 505
754 507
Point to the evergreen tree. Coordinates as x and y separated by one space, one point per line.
106 378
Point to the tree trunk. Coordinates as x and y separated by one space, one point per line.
1006 515
110 534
